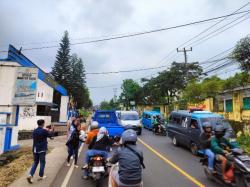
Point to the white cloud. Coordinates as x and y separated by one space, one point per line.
30 21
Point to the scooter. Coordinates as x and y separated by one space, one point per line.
97 169
160 129
241 169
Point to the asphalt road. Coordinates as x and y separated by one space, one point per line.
166 165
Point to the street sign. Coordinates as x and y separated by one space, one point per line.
26 86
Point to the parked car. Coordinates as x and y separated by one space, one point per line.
185 127
148 119
108 119
130 120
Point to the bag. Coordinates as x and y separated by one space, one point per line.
137 154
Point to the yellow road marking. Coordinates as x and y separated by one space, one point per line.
173 165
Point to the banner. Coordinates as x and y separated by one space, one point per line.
26 85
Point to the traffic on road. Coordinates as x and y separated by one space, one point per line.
152 160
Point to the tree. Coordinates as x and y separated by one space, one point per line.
167 86
193 92
80 91
105 105
238 80
241 53
130 91
211 87
62 68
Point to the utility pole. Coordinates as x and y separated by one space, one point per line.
115 92
184 50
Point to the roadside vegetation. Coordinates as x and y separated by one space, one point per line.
13 164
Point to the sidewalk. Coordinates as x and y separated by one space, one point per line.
54 161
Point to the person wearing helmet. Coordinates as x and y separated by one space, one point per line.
221 146
130 160
93 132
205 142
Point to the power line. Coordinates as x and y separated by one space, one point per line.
124 71
205 39
137 34
209 28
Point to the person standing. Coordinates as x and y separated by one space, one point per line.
40 145
73 145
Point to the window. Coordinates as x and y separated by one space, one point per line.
194 124
176 119
185 121
246 103
229 105
43 110
129 117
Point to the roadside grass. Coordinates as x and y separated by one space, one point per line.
244 142
18 162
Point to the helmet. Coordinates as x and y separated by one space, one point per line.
207 125
219 131
129 136
94 125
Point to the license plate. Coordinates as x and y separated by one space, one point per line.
232 140
98 169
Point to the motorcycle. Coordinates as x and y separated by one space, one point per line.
241 169
160 129
97 169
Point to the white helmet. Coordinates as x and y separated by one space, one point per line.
94 125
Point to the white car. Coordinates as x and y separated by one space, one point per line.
130 119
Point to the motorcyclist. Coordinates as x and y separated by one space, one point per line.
219 146
155 124
205 140
93 132
98 146
130 159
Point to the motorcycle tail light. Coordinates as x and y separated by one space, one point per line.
98 158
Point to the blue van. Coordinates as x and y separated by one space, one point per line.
147 118
185 127
108 119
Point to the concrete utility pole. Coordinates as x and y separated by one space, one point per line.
115 92
184 50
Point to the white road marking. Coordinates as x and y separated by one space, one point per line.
67 178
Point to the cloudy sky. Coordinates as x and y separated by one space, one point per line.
30 23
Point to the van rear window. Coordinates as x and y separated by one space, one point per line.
175 119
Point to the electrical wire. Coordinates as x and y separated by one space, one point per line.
137 34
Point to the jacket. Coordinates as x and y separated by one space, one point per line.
91 135
101 145
74 139
205 141
130 169
216 145
40 143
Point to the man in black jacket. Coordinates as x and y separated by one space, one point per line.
40 145
205 140
130 159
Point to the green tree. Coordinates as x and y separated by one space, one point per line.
238 80
211 87
193 92
130 92
241 53
168 85
62 68
80 91
105 105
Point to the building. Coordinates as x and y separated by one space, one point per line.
27 94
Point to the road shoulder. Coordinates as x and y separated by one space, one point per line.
54 161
